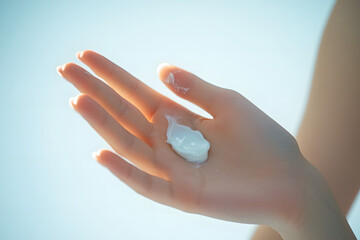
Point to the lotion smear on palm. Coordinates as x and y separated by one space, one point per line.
189 144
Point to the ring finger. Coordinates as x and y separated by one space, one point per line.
123 111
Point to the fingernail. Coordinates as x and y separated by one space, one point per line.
79 54
59 70
73 102
96 155
161 66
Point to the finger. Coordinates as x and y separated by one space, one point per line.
188 86
123 142
149 186
143 97
124 112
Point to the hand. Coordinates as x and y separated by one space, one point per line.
254 172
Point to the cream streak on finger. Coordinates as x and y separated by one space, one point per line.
190 87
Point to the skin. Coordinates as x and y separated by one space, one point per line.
329 136
255 172
252 153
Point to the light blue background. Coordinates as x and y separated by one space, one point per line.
50 186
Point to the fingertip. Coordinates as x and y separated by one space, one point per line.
68 68
73 101
86 55
79 54
166 71
161 66
59 70
96 155
103 156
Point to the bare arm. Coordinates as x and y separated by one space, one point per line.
329 136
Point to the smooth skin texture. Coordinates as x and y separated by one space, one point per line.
240 156
329 136
255 172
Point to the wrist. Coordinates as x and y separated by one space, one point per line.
317 215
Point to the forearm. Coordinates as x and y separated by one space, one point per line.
321 217
317 215
329 134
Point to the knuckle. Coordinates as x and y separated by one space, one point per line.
148 184
129 173
111 71
148 130
230 94
123 107
94 89
134 87
129 142
103 121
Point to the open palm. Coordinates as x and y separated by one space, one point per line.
252 164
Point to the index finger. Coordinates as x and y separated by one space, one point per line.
138 93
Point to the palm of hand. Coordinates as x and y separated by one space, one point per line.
242 171
247 169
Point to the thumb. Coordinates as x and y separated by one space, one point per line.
190 87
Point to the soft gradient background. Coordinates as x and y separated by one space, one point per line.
50 187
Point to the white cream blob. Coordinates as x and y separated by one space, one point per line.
188 143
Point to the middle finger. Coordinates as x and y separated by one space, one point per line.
123 111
